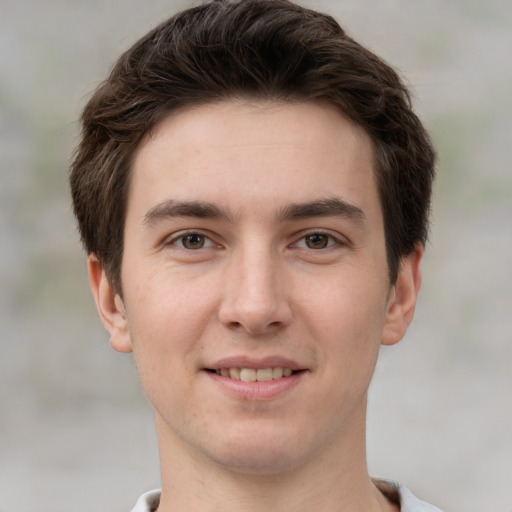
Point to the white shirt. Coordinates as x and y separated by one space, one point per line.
397 492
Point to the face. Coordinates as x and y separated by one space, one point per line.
255 282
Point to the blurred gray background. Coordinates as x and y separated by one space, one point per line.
75 431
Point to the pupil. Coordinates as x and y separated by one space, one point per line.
317 241
193 241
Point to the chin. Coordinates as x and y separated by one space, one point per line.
257 462
259 453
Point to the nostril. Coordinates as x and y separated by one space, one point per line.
235 326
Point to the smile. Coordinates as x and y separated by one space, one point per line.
255 375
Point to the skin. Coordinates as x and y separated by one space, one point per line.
285 258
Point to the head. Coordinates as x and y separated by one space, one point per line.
253 189
257 50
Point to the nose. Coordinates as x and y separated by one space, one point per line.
255 298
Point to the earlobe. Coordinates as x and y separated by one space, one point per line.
109 305
402 301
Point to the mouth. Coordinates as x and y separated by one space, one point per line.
255 374
256 380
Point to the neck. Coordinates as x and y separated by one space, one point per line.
335 479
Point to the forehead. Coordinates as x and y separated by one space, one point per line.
254 152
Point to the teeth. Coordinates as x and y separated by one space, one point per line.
277 373
234 373
253 375
248 375
264 374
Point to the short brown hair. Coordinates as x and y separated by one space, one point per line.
262 49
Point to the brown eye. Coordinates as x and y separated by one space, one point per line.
193 241
317 241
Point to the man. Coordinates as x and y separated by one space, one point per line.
252 189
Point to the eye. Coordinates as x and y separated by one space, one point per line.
316 241
192 241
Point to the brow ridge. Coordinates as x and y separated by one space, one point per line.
172 208
333 206
294 211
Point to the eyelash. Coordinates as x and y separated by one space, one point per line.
331 240
180 241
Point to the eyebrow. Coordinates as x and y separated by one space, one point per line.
331 207
336 207
172 208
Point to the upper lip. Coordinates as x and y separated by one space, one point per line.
255 363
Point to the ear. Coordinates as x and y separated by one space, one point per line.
402 299
110 306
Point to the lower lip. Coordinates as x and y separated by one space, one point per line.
257 390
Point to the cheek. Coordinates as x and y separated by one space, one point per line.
170 301
166 337
167 319
348 316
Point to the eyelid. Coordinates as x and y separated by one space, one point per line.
172 240
338 239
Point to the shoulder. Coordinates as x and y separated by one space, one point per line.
402 496
394 491
148 502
